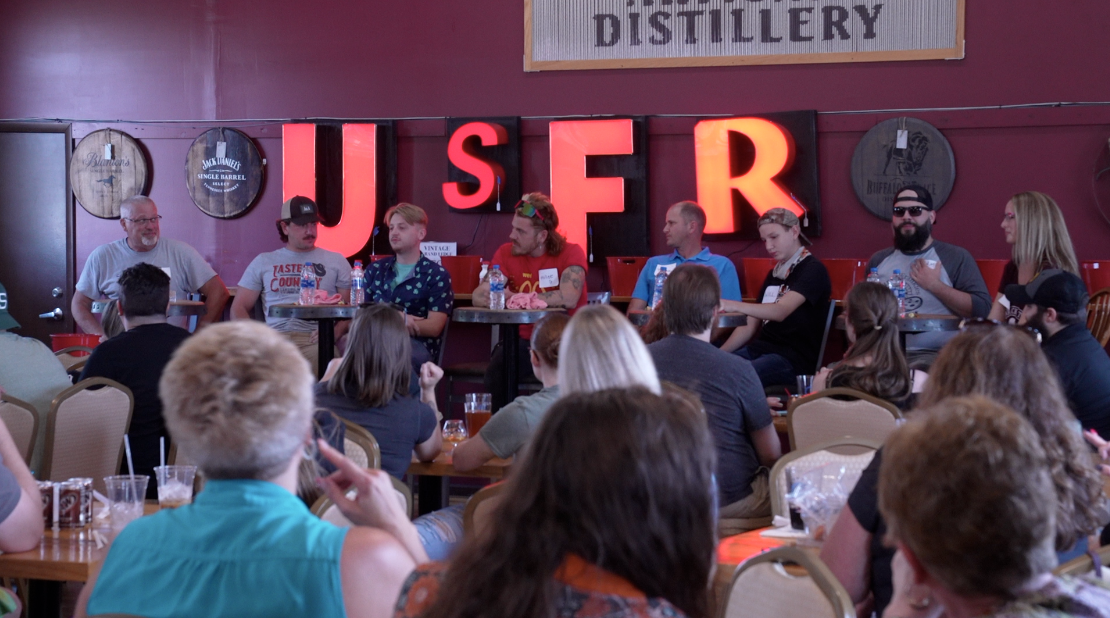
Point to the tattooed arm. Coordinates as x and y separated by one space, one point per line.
570 289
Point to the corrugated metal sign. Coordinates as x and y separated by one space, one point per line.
621 34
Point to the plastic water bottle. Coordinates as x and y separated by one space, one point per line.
497 281
873 276
308 284
897 285
358 284
657 294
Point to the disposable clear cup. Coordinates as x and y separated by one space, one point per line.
125 498
175 485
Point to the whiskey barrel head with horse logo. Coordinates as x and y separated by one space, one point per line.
107 167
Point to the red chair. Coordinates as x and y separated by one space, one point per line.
844 273
623 273
464 271
755 271
992 274
1096 274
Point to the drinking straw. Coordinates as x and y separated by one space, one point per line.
130 464
162 451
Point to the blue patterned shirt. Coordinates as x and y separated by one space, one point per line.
427 289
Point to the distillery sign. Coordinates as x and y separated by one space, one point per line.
601 34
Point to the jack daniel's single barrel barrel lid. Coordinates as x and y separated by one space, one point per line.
223 172
107 167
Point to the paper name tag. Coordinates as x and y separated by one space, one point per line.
1005 302
664 268
166 269
771 294
549 278
903 139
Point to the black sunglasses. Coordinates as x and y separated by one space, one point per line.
967 323
915 211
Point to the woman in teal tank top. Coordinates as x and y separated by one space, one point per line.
238 399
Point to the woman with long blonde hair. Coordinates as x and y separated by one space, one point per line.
1035 227
600 350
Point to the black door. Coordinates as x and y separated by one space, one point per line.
37 254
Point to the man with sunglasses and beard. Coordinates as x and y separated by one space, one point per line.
941 279
537 259
1055 303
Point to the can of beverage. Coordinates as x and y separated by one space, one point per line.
46 491
86 497
70 512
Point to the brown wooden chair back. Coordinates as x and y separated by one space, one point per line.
1098 316
476 515
361 447
823 416
85 429
762 588
22 422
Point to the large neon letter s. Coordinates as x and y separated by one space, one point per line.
360 181
572 193
468 161
774 152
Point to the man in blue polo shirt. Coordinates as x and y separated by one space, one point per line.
683 231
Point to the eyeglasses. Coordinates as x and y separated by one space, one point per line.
143 221
528 210
967 323
915 211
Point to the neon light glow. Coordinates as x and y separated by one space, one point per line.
572 193
298 161
774 152
461 152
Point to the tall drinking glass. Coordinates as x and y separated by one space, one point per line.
478 408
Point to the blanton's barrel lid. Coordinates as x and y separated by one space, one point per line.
107 167
223 172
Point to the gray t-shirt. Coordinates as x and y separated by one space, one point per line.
734 403
277 275
958 270
187 269
30 371
511 428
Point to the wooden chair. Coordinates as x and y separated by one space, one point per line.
85 429
361 447
821 417
74 357
1095 273
476 515
1084 564
762 588
1098 315
22 422
755 271
326 510
803 460
844 273
992 274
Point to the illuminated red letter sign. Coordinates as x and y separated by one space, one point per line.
464 157
774 152
572 193
360 181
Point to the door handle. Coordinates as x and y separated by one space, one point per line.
55 315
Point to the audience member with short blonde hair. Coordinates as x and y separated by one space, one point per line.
238 399
600 350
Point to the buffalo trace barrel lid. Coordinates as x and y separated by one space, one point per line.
107 167
223 172
897 152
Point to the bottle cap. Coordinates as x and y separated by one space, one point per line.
358 263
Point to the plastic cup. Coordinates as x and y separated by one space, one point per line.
805 384
175 485
125 498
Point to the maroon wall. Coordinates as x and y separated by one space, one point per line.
206 61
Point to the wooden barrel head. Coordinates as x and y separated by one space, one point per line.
101 182
882 164
223 172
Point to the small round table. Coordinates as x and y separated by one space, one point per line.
920 323
325 316
177 308
724 320
508 323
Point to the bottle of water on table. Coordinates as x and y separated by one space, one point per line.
657 294
497 281
308 284
873 276
358 284
897 285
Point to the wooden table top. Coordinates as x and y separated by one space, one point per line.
495 468
65 555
